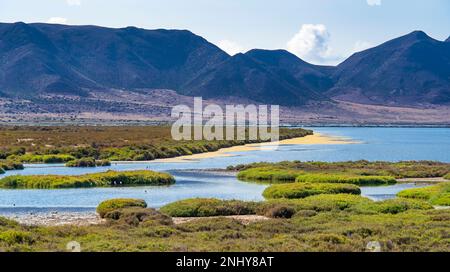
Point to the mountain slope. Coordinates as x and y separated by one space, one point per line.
411 69
244 77
41 58
313 77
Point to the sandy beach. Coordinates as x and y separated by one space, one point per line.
316 139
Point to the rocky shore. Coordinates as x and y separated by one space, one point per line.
56 218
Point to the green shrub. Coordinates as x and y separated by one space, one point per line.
447 176
9 165
32 158
280 211
88 162
437 195
351 203
13 237
5 222
357 180
302 190
392 206
201 207
395 206
111 205
318 203
271 175
102 163
2 171
211 225
83 162
134 216
106 179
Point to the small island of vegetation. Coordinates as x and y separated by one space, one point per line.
106 179
357 172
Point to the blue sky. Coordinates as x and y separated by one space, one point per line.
319 31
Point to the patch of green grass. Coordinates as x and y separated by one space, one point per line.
269 174
437 195
106 179
302 190
115 204
357 180
205 207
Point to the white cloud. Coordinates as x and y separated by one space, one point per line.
57 20
73 2
311 44
230 47
374 2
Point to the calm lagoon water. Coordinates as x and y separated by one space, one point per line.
387 144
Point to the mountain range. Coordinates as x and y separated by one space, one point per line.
46 59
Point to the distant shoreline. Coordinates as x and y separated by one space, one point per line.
315 139
105 123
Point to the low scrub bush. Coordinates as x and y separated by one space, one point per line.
392 206
13 237
9 165
102 163
88 162
211 225
345 202
357 180
83 162
204 207
302 190
5 222
106 179
31 158
134 216
111 205
318 203
280 211
437 195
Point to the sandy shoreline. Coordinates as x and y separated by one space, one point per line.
315 139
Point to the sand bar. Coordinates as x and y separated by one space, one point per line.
316 139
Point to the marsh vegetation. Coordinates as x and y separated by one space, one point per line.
340 222
354 172
65 144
